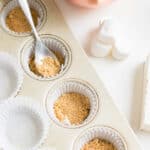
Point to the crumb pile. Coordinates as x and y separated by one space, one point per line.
49 67
73 106
98 144
16 20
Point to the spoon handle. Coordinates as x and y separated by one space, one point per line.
25 7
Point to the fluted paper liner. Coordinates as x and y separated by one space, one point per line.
67 86
23 124
101 132
36 4
11 76
53 43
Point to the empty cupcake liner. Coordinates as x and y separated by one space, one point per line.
11 76
36 4
101 132
23 124
67 86
52 42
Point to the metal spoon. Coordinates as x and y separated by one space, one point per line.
41 50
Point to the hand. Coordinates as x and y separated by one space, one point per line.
87 3
90 3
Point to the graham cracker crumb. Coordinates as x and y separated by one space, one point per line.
16 20
98 144
48 68
73 106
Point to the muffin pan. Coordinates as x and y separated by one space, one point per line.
104 120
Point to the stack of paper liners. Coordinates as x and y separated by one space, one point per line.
145 119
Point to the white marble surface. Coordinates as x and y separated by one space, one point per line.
122 79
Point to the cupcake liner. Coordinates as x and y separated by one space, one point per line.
101 132
52 42
11 76
23 124
67 86
36 4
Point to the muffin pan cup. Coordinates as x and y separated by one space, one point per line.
103 133
37 5
52 42
69 86
77 75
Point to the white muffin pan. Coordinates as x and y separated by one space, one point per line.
77 76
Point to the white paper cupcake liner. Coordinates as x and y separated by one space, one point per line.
52 42
67 86
23 124
11 76
101 132
36 4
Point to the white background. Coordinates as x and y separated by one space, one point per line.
122 79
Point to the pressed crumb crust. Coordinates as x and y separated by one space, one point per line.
49 67
16 20
72 106
98 144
